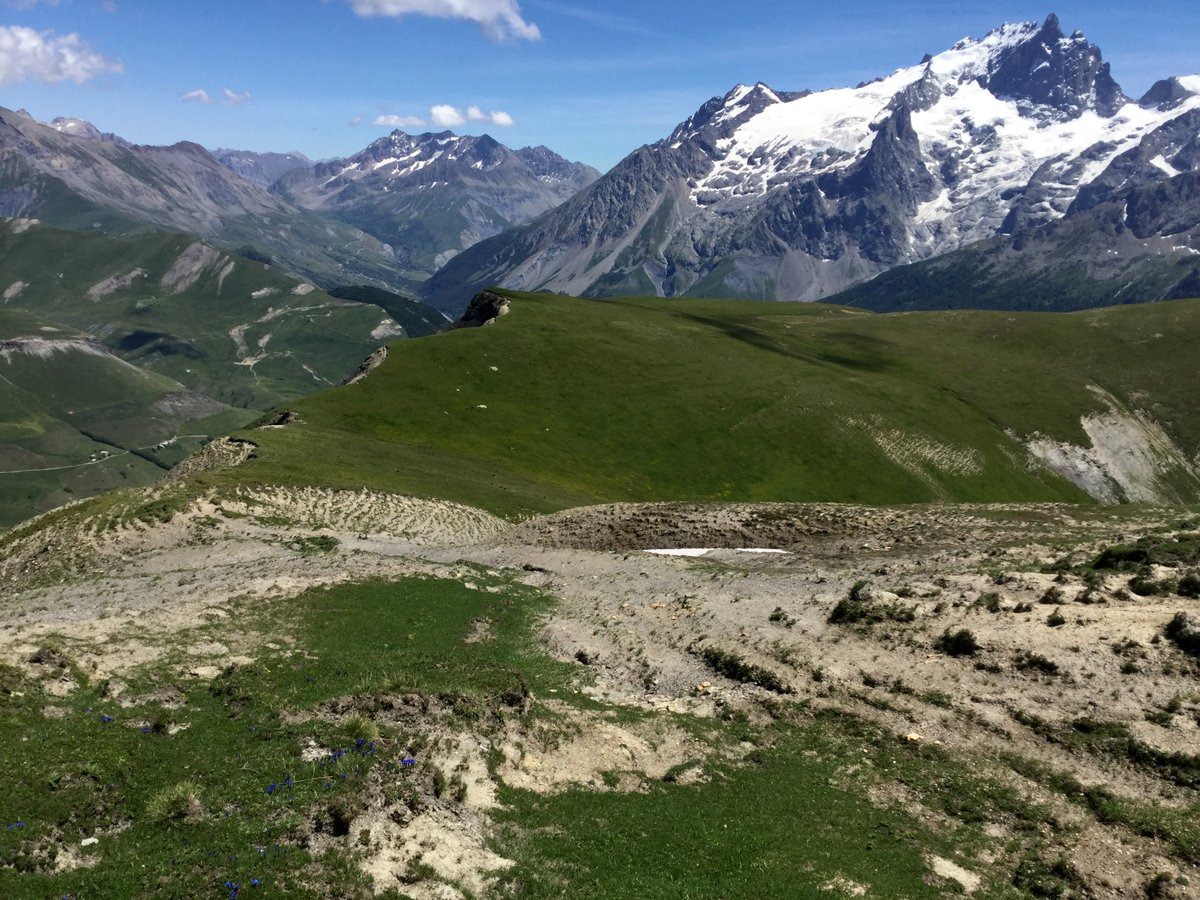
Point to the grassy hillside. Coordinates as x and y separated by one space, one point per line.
417 319
565 402
167 331
76 420
235 329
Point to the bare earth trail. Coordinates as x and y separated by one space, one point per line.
648 627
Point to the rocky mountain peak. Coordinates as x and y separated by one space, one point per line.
1066 75
721 116
1171 92
84 130
547 165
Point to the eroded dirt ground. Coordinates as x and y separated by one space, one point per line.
855 610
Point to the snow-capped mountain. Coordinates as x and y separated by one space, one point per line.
69 174
81 128
796 196
430 196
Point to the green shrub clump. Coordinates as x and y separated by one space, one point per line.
957 643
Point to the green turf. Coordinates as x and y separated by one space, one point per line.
774 828
565 401
97 770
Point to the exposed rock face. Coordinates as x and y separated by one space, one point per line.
485 308
370 364
1055 72
1119 243
796 196
431 196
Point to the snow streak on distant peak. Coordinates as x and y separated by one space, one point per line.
988 114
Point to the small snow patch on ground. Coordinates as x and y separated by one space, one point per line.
701 551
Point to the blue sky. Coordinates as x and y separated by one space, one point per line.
591 80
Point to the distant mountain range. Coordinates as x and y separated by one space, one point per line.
71 176
431 196
1010 170
264 169
797 196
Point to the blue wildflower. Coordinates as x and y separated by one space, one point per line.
254 882
408 761
106 719
272 788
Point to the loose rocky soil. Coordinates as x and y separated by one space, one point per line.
696 636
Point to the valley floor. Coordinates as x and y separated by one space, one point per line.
353 693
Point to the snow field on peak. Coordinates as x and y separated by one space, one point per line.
976 145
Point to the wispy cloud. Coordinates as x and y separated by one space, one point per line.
594 17
499 118
399 121
26 54
500 20
228 97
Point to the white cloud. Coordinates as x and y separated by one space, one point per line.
446 116
497 118
400 121
500 20
228 96
43 56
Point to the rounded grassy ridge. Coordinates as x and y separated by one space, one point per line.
563 402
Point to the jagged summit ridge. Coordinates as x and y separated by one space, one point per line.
797 195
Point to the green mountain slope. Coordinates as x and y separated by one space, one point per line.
564 402
417 319
237 330
76 420
150 334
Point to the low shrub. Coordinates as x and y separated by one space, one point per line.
1184 631
957 643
